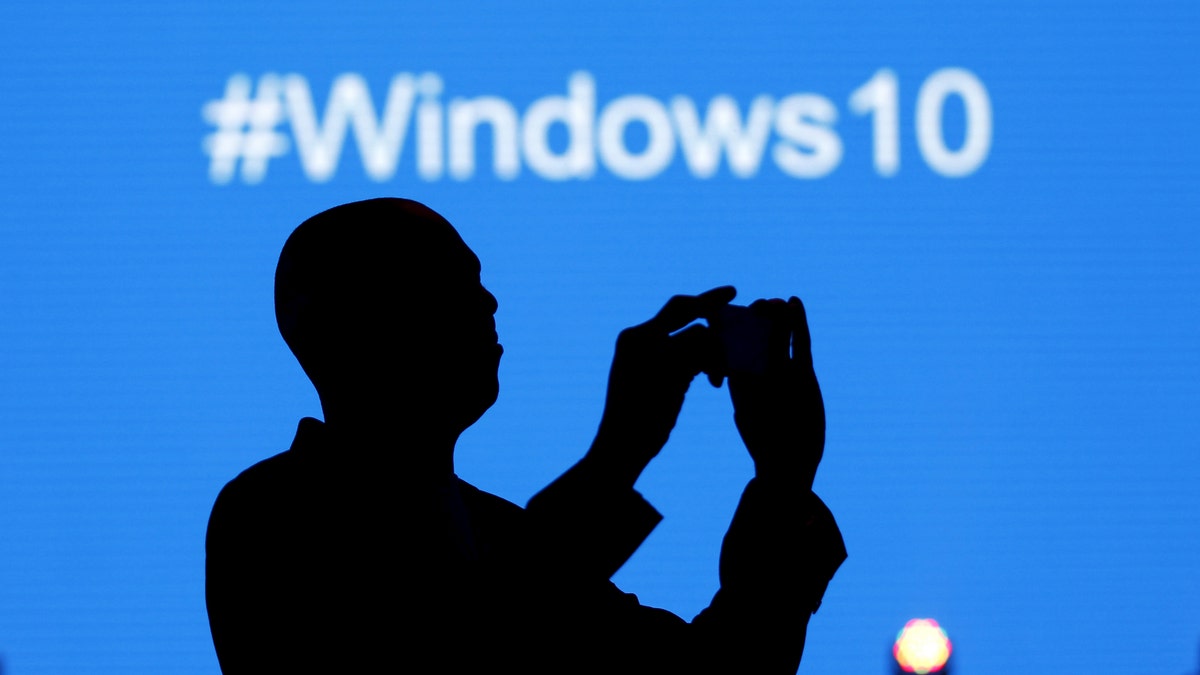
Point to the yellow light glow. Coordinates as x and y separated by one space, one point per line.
922 647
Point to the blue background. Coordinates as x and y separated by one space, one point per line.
1009 359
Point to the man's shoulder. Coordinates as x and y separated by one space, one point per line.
252 490
485 503
497 523
272 472
280 471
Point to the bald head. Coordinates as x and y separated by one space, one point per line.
385 288
349 252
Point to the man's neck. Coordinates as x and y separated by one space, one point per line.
411 447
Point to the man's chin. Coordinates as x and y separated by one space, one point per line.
475 409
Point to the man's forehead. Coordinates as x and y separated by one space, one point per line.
451 254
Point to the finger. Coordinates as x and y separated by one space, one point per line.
719 295
760 305
779 331
681 310
713 353
692 349
801 338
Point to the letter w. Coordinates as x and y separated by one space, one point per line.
722 128
319 143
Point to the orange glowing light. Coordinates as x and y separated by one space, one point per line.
922 647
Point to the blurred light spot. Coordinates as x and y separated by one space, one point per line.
921 647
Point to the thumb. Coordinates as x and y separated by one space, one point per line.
692 349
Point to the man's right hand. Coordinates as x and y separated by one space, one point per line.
651 371
780 413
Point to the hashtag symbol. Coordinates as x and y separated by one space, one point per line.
245 129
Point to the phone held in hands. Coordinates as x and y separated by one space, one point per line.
742 334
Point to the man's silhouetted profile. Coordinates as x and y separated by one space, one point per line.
359 550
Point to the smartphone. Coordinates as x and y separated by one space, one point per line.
743 338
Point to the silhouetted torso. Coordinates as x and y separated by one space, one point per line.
317 567
315 563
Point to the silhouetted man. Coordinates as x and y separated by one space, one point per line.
359 550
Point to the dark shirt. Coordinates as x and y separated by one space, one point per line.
317 566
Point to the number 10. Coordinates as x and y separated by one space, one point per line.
879 97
